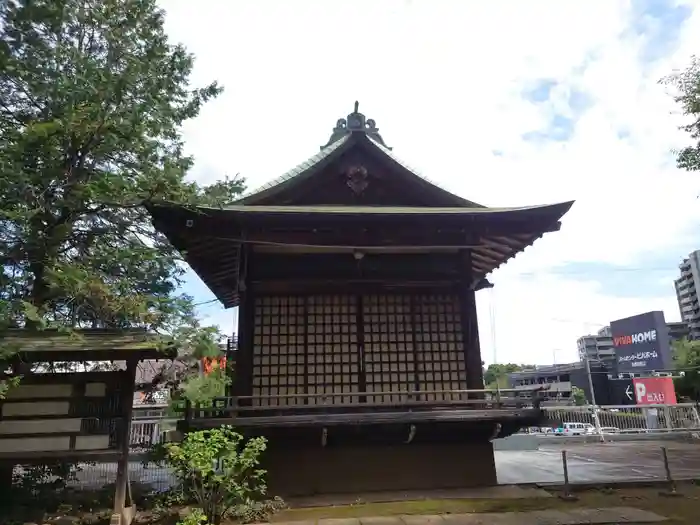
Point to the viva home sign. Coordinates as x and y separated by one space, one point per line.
642 337
637 359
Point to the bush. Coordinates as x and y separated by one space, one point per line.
196 517
257 511
218 469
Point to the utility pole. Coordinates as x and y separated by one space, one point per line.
596 421
590 379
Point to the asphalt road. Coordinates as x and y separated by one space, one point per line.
588 463
598 462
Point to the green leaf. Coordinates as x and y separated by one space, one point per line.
93 103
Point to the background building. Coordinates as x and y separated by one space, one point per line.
600 351
600 348
687 286
562 378
678 330
597 348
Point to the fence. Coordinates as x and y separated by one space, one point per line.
610 419
629 419
148 432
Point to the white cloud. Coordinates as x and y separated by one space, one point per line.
444 80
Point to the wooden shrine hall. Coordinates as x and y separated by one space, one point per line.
358 353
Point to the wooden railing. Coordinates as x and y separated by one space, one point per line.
282 405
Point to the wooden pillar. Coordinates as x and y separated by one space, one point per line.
470 326
124 509
6 471
243 382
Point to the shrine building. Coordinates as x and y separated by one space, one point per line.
358 347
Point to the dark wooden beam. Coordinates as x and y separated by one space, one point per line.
344 265
243 385
389 225
349 286
370 237
470 326
122 496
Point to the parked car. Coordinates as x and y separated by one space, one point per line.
574 429
608 430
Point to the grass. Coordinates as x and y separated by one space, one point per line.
680 510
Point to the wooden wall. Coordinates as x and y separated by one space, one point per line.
61 413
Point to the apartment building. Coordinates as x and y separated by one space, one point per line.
687 286
597 348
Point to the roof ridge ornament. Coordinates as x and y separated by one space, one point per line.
355 123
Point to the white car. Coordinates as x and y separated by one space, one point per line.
607 430
575 429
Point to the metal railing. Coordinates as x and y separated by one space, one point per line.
628 419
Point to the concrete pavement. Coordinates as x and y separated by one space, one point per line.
598 462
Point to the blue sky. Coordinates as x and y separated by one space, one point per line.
507 103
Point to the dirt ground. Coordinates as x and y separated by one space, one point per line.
682 509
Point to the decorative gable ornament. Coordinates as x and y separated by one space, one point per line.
357 179
355 123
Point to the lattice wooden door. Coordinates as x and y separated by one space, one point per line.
333 352
334 346
439 345
389 351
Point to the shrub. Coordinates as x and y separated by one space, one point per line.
195 517
257 511
219 469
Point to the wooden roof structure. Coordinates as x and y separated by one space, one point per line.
51 345
354 183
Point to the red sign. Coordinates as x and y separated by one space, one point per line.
654 391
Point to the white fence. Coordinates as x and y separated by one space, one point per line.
148 432
629 419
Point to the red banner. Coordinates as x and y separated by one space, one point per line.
211 363
654 391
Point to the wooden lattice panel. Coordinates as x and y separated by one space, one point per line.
279 350
439 344
388 346
333 356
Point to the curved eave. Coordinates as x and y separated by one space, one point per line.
213 248
299 172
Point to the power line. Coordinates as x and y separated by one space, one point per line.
555 271
210 301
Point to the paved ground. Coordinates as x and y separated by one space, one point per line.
588 463
501 492
540 517
598 462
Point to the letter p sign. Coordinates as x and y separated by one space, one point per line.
640 390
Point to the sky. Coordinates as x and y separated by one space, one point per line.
506 103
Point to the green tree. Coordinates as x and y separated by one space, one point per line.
686 85
496 374
579 396
92 99
686 356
